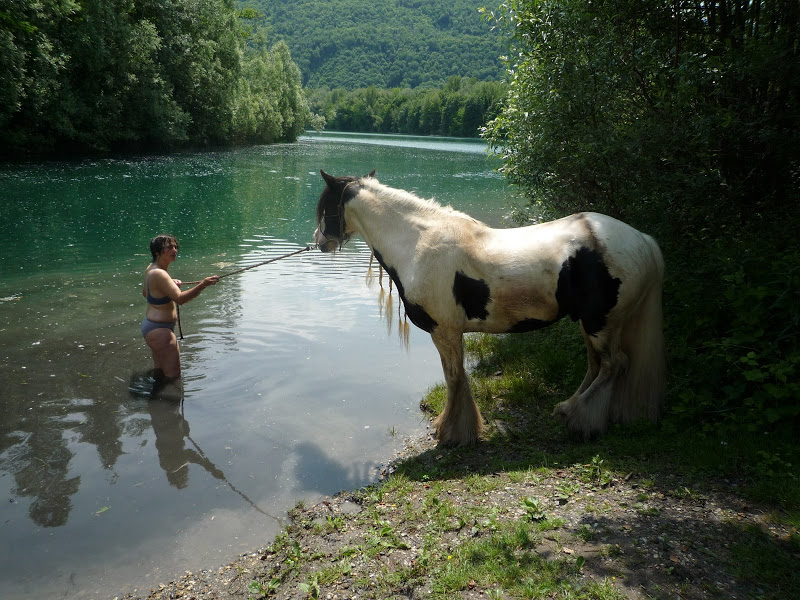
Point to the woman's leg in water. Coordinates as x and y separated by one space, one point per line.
166 353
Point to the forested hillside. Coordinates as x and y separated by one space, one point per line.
392 43
459 108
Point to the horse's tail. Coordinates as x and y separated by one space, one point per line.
639 393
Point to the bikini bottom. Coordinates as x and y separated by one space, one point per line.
148 326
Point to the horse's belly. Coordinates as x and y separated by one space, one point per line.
514 309
498 296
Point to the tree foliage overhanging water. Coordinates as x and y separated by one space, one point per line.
99 75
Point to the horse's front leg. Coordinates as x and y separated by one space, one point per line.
460 423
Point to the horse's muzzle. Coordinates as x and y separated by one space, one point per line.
325 245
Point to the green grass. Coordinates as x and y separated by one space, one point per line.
507 562
770 570
518 379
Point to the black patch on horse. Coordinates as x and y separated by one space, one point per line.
415 312
586 290
472 295
529 325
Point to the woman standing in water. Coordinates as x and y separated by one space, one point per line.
163 294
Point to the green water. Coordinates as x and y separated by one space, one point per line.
295 382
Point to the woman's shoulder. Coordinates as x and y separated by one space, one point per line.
158 277
157 272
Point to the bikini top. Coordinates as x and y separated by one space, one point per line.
152 299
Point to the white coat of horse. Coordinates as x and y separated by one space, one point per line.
455 274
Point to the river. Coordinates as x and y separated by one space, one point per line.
296 382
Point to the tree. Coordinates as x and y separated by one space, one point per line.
460 109
357 43
98 75
291 101
629 105
202 61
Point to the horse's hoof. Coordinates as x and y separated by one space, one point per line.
561 412
452 442
564 412
446 444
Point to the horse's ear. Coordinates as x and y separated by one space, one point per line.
329 179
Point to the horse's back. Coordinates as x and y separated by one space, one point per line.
548 245
579 265
622 248
627 255
589 229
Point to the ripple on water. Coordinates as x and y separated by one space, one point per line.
291 375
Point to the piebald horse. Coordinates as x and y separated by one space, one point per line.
454 274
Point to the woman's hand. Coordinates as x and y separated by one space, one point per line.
178 282
210 280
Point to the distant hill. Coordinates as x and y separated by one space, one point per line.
385 43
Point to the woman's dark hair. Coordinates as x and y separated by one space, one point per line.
157 244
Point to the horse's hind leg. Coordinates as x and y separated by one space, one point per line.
460 423
593 358
587 411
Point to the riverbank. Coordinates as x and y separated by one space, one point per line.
643 512
446 524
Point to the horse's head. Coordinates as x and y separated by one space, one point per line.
331 232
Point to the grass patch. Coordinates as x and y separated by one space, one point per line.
769 569
518 379
507 563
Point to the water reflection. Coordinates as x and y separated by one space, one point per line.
166 412
294 372
38 453
316 470
40 466
172 434
174 444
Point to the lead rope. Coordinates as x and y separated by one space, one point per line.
237 271
180 329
